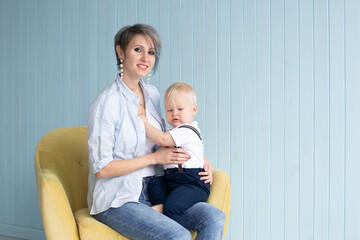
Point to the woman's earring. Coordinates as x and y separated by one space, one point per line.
148 79
121 69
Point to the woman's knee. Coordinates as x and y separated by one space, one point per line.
181 234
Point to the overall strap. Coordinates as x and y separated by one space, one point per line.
192 128
180 169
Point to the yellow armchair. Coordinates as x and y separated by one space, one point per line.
61 169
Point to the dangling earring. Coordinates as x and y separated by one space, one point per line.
148 79
121 69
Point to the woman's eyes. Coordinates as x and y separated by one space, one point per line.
140 50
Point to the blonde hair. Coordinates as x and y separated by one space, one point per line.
180 87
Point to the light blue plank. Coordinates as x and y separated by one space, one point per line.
75 61
198 47
101 46
236 226
93 53
111 31
31 47
250 119
48 83
175 44
23 170
7 217
186 44
277 120
263 122
153 20
164 72
121 13
291 144
132 17
223 85
209 129
56 61
142 11
352 195
3 8
306 208
65 75
321 181
337 121
84 64
16 117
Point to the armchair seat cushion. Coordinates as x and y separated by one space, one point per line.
91 229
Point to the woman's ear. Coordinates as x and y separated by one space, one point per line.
119 52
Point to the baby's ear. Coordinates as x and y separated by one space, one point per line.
195 108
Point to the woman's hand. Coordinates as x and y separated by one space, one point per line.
207 174
167 155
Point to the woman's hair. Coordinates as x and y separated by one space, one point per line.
126 34
180 87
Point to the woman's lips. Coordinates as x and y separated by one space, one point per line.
144 67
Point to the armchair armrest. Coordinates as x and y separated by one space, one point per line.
58 219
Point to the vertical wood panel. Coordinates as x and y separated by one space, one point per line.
291 121
337 121
23 169
209 129
223 85
186 49
16 100
236 230
306 120
352 53
198 48
277 119
321 180
3 60
250 120
263 122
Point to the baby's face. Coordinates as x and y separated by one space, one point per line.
180 110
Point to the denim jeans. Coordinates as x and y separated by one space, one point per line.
139 221
178 191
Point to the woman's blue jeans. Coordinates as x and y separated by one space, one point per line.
139 221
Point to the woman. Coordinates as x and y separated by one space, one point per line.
122 159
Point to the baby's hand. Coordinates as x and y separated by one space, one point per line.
143 117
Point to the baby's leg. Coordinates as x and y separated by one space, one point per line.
182 198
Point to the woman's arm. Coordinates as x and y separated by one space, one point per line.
117 168
207 174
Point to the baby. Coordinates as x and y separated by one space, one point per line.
180 187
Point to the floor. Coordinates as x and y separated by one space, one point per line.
9 238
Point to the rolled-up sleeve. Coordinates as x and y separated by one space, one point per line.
101 127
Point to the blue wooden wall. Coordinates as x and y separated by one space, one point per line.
278 85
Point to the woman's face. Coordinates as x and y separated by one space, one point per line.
139 58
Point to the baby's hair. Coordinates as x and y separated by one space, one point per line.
180 87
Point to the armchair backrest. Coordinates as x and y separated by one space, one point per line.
62 153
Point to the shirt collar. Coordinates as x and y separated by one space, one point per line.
130 95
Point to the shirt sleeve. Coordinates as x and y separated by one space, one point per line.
183 136
101 132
